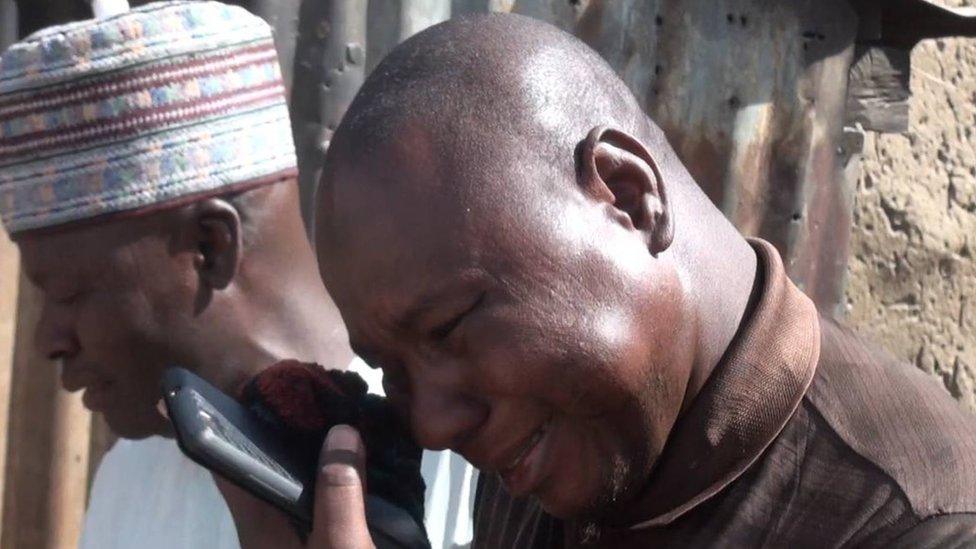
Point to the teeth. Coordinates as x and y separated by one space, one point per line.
533 440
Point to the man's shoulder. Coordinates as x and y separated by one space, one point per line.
949 531
899 419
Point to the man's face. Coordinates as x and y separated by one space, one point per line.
112 296
515 323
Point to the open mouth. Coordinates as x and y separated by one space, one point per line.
527 447
525 471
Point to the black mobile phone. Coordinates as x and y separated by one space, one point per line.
222 435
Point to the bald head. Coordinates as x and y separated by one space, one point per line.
513 241
489 81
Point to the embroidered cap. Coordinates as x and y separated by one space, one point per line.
158 106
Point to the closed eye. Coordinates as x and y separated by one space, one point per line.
66 298
444 330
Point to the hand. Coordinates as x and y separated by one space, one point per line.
339 516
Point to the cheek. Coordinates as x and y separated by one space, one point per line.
510 357
578 365
114 327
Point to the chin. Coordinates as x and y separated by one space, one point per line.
563 511
598 502
598 509
569 504
130 427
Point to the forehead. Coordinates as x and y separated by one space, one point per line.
386 242
406 220
396 230
75 251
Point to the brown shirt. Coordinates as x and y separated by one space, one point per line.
804 436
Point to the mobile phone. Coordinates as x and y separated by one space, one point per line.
224 436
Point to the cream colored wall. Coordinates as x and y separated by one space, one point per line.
912 275
8 303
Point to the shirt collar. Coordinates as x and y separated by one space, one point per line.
746 402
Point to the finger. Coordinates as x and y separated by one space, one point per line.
340 514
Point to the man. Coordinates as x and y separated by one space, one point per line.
550 294
147 173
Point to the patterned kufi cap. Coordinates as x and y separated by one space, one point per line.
155 107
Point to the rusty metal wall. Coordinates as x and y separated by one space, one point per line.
329 66
338 43
750 92
36 14
8 23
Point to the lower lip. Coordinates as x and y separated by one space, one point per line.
524 477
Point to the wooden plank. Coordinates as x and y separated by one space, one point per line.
907 22
879 94
9 260
46 474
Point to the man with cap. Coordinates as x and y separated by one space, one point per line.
148 176
551 294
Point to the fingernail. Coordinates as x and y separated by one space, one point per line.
161 408
342 438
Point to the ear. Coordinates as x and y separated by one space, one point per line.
616 168
216 232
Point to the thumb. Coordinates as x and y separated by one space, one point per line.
339 520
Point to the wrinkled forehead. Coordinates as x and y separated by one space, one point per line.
383 236
75 250
408 216
395 227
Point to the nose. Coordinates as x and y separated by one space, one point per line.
442 415
53 336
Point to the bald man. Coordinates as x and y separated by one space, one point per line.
549 293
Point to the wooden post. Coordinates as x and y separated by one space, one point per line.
8 280
46 474
8 314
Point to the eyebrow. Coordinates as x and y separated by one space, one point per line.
41 278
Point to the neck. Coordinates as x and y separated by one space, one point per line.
283 311
294 318
722 284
